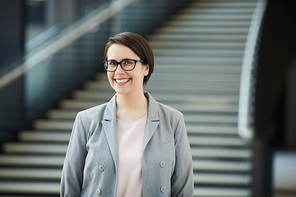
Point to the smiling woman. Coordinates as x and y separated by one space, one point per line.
132 145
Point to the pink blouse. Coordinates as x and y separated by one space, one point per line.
130 148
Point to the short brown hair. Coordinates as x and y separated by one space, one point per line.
138 45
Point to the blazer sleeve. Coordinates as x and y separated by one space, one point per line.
72 173
182 179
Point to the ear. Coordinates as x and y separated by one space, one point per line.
146 69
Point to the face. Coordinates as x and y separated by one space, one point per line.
126 82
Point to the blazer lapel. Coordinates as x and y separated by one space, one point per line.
109 125
153 119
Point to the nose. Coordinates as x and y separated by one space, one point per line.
119 69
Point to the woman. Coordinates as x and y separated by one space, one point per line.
131 146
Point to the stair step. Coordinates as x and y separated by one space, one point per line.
196 45
222 166
204 106
210 69
177 88
159 60
222 179
217 141
218 130
223 4
199 52
77 104
62 136
33 148
230 130
203 30
192 10
44 136
217 17
32 161
189 78
214 70
37 187
67 124
222 82
196 37
222 119
220 192
53 124
180 23
54 189
65 114
224 153
93 95
184 98
197 78
28 173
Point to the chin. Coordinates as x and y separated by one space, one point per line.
121 91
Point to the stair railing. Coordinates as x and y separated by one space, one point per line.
245 129
64 40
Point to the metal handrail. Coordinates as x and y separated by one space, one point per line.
244 130
64 41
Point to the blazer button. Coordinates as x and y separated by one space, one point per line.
99 191
101 168
162 164
162 189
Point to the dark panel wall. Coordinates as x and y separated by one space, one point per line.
11 30
11 110
276 55
290 120
274 87
11 48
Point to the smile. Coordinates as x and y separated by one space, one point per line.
121 80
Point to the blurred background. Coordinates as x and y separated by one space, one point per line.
228 65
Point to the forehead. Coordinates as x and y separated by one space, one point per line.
119 52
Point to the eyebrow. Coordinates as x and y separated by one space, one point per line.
120 60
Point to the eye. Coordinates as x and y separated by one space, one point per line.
128 62
112 63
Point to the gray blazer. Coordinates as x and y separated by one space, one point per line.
91 162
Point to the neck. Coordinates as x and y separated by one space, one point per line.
131 107
131 102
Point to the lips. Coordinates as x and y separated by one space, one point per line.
122 81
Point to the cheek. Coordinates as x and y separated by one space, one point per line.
110 76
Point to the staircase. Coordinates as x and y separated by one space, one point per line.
198 58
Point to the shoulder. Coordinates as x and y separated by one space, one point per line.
169 111
170 116
92 115
93 110
162 110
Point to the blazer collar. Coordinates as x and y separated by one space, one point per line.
110 112
153 119
109 124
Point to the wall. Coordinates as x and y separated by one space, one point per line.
276 56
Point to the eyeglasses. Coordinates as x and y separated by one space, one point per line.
126 64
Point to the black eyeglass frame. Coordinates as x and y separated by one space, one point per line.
119 63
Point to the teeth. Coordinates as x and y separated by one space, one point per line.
121 80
